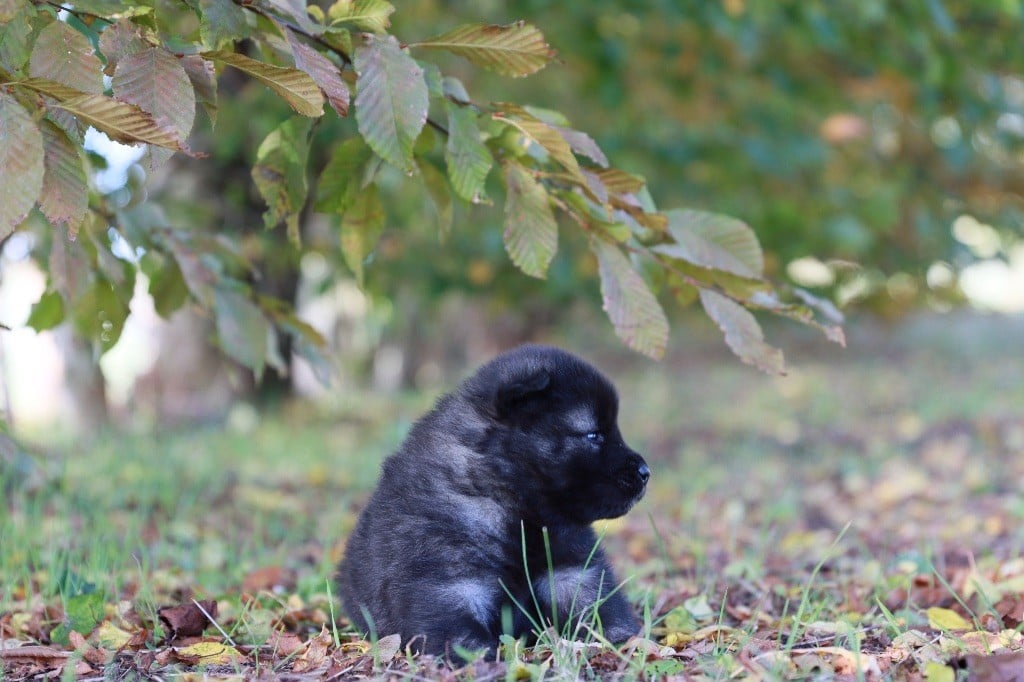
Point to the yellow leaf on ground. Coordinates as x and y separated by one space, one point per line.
209 653
109 636
939 672
945 619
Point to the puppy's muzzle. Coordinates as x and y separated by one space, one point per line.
634 478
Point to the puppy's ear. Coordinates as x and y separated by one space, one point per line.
517 390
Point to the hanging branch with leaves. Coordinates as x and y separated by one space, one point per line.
54 64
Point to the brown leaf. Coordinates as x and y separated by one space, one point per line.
315 655
270 579
284 644
34 662
998 668
1011 609
41 655
187 620
96 657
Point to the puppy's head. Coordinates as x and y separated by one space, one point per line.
554 425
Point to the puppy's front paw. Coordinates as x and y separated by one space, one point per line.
619 630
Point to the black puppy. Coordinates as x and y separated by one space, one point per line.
519 460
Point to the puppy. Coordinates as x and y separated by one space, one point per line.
480 523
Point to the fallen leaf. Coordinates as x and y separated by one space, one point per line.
315 655
998 668
209 653
187 620
109 636
284 643
270 579
388 647
946 619
699 608
42 655
94 656
939 672
981 642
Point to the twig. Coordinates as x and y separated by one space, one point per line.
215 624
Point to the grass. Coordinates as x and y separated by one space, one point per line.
795 527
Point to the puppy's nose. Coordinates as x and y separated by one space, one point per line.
645 473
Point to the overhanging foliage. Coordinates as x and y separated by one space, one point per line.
52 66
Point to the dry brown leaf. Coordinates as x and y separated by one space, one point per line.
42 655
284 643
315 655
981 642
187 620
388 647
998 668
94 656
270 579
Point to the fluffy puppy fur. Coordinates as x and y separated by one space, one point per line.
527 446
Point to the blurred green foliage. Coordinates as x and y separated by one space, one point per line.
854 130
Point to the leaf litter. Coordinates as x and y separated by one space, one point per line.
871 541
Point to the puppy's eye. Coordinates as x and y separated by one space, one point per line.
595 437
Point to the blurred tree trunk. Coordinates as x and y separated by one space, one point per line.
84 384
219 192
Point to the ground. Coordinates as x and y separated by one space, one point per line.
859 518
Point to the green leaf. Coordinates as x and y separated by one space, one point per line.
121 121
547 137
440 196
634 311
517 49
64 55
360 229
15 38
366 15
296 87
343 177
65 194
322 70
391 99
104 8
200 278
168 289
307 343
242 328
531 233
223 23
21 163
714 241
82 613
280 173
468 159
101 312
742 332
47 312
155 81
